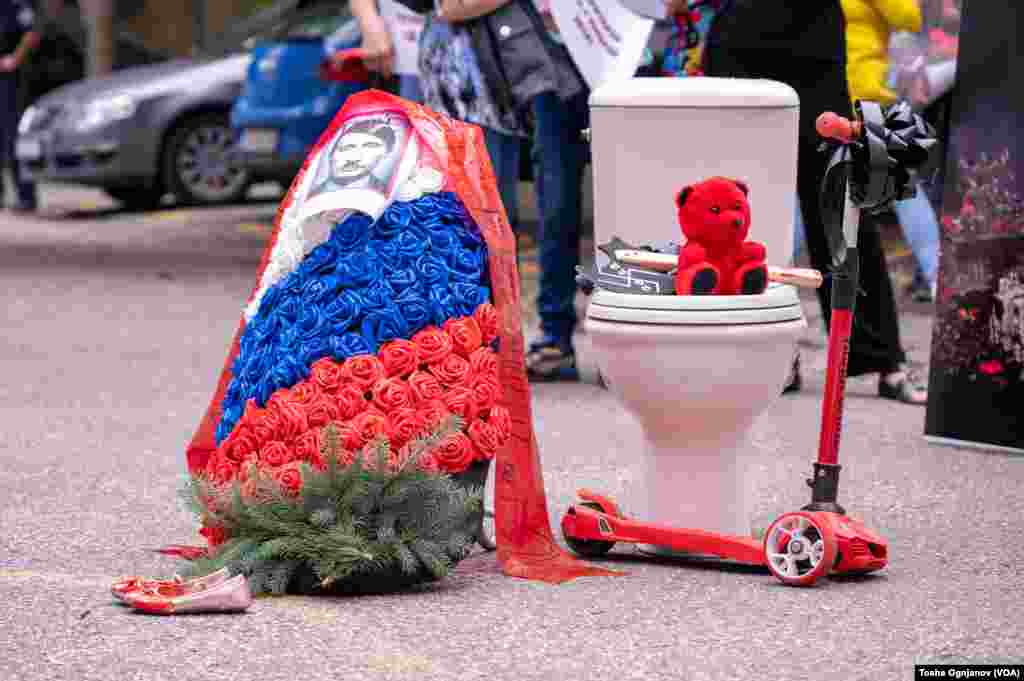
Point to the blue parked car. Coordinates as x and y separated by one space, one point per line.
285 103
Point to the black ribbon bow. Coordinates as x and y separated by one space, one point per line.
882 165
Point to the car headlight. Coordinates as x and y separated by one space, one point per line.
27 118
101 112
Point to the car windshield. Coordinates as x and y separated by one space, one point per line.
316 24
288 20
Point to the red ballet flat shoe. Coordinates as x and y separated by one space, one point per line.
167 587
232 595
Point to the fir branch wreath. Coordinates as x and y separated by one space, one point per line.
366 525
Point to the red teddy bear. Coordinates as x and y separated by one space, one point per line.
717 258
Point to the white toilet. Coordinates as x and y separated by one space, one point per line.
696 371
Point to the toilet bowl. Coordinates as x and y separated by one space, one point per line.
695 371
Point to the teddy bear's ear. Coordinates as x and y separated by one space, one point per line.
743 187
683 194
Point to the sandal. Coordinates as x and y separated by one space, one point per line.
907 386
547 361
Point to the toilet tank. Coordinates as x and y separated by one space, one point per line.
650 137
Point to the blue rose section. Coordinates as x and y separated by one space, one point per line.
422 263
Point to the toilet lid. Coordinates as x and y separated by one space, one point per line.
779 303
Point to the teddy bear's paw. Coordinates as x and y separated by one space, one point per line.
752 280
699 280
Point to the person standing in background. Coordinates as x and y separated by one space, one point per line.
453 84
19 38
805 48
561 155
869 26
380 49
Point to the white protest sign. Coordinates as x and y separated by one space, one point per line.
605 39
405 26
652 9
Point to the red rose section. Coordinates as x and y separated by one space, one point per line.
403 392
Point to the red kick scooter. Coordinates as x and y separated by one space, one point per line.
872 164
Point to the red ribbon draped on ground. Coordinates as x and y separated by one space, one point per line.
526 546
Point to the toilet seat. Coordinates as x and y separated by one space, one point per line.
779 303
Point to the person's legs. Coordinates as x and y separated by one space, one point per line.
875 345
504 152
875 342
561 157
11 114
921 230
8 127
798 231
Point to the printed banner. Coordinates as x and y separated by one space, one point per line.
405 27
605 39
976 382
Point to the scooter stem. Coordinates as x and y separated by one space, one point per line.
825 483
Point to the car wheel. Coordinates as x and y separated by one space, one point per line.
136 198
197 162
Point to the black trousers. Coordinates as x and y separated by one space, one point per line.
9 115
821 85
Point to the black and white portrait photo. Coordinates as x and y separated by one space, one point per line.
365 155
361 168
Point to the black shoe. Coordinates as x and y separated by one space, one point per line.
904 385
922 294
547 361
795 380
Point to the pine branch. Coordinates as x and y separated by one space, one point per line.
423 444
352 522
407 561
191 494
431 557
280 575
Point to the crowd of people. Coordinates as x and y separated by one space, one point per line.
832 56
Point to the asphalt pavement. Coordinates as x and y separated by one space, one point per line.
115 329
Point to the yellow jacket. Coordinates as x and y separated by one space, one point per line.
868 26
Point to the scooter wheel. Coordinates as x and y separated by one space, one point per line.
589 548
800 547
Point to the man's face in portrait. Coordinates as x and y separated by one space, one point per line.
355 155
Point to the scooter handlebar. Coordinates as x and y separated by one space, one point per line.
834 126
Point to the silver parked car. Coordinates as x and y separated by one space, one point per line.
143 132
140 133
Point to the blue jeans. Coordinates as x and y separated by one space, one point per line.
409 88
561 156
504 152
920 230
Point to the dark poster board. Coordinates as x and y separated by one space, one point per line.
976 381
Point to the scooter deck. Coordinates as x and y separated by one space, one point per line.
589 524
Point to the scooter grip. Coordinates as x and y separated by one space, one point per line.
834 126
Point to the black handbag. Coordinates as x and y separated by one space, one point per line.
518 58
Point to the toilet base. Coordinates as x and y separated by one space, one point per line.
699 484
